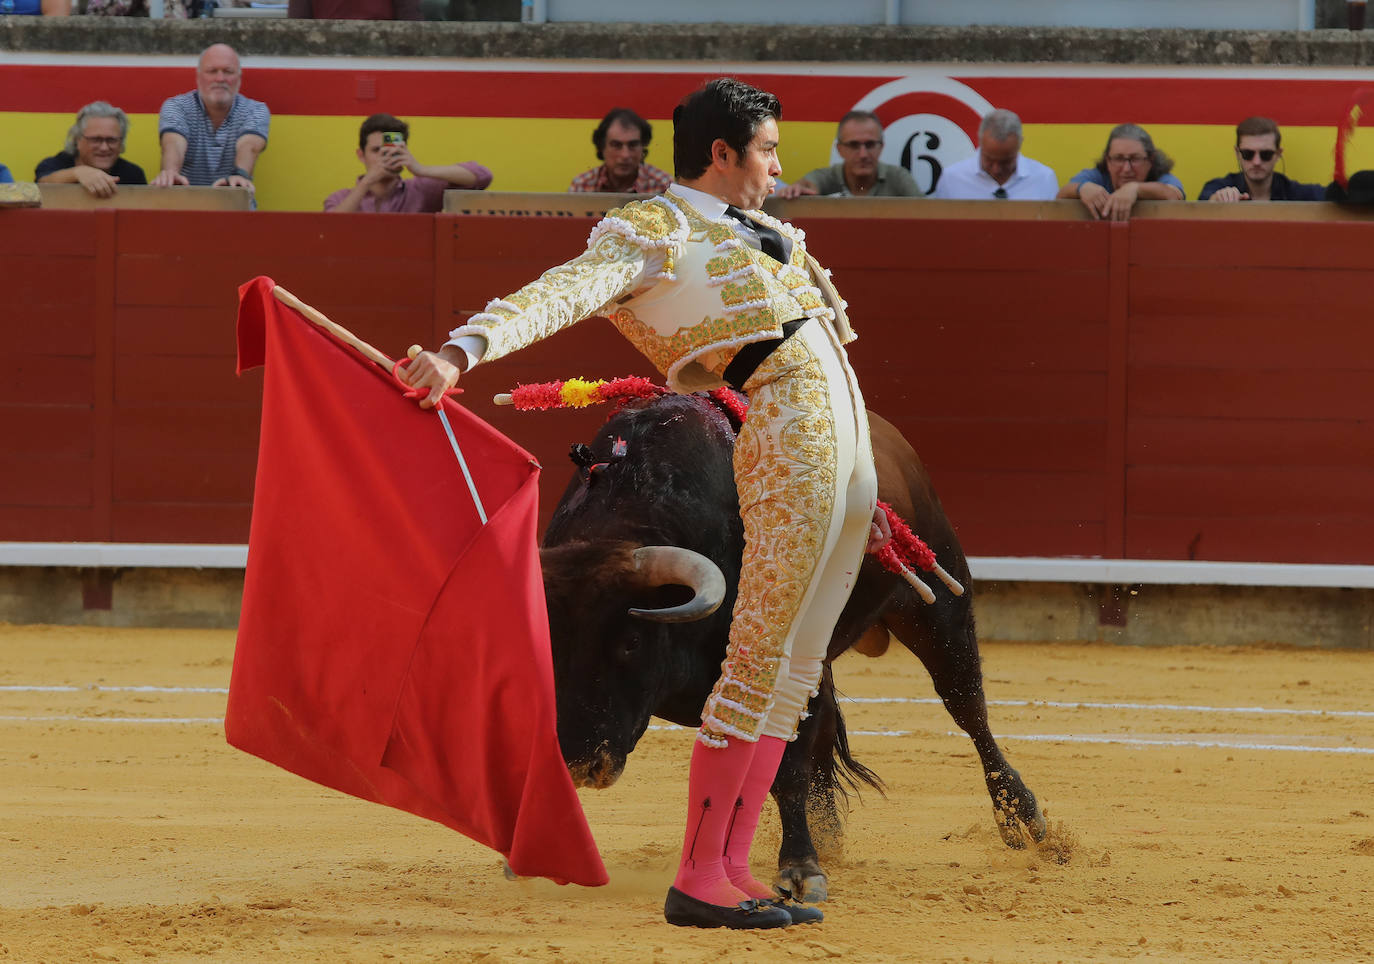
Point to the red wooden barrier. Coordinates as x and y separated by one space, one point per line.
1163 389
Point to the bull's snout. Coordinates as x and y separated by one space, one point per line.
600 771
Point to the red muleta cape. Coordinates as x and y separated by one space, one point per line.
390 645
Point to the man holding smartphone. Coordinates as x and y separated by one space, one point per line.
383 149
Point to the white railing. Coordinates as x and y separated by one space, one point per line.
1121 572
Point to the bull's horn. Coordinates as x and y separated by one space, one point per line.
673 565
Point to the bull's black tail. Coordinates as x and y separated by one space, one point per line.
840 770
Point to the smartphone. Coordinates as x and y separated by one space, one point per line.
393 137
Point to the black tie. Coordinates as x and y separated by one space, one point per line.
770 241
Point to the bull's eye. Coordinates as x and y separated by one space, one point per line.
629 646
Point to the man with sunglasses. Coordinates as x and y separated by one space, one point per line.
860 173
1258 150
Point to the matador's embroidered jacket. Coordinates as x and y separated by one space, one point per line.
685 290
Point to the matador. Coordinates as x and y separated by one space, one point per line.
713 291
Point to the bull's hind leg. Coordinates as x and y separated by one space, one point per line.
943 638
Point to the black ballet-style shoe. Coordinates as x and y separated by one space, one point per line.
687 911
799 912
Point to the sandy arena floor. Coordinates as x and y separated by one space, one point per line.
1206 805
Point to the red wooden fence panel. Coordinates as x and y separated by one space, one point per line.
1163 389
48 303
1251 392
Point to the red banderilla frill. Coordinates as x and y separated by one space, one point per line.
906 548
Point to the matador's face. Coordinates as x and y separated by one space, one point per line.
753 174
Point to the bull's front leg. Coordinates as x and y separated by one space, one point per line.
799 868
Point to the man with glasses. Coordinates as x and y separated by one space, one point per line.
91 156
622 142
1258 150
860 143
998 170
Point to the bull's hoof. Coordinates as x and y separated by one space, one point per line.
1019 820
805 882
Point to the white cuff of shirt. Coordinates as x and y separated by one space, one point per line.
474 346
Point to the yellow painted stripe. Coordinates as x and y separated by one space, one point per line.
311 156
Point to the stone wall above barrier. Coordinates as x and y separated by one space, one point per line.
686 42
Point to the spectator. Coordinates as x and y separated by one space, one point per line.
860 173
622 142
212 135
45 8
383 149
5 176
130 8
91 156
354 9
1131 169
998 169
1258 150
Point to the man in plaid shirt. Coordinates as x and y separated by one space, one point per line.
622 141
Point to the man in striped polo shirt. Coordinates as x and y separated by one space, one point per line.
212 135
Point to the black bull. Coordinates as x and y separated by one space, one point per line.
659 474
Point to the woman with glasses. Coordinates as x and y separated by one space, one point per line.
1131 169
1258 151
91 156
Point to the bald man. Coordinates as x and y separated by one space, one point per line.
212 135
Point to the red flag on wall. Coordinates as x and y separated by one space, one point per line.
391 645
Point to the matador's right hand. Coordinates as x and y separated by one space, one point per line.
435 371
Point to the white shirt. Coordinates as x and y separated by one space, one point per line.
967 181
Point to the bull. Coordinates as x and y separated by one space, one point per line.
641 560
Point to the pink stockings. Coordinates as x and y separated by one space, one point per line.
725 795
749 805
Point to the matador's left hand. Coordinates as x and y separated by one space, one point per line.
879 533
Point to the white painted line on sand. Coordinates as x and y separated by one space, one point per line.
1162 707
903 700
1033 737
1123 740
1171 741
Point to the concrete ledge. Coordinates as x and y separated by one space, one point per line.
1170 615
116 596
722 43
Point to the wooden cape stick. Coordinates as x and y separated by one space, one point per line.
337 330
373 355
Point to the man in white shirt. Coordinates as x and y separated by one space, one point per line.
998 171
